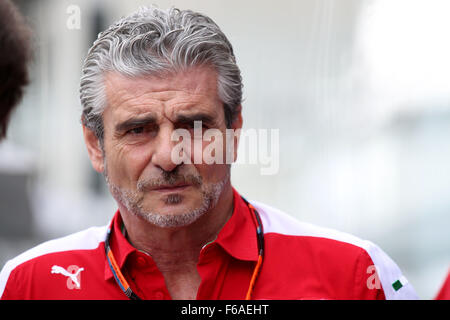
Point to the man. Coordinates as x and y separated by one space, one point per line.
181 230
14 56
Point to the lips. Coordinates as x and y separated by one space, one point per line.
168 188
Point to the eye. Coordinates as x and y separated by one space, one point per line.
137 130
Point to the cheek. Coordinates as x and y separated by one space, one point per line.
126 164
212 173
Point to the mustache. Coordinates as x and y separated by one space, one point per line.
169 179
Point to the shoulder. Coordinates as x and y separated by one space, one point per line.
278 222
28 262
336 246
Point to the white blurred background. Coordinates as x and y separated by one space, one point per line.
359 90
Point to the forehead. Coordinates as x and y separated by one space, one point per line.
165 95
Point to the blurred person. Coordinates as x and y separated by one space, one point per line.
182 231
14 56
444 292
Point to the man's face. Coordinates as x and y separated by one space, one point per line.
139 120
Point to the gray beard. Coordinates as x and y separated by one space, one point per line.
132 201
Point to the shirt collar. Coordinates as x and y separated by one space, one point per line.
237 237
120 246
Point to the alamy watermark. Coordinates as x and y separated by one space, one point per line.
220 148
373 281
73 21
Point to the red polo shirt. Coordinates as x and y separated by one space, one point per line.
301 262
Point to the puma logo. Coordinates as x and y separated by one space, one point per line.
73 274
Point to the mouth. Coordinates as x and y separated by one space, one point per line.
172 188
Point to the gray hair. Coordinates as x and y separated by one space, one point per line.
152 41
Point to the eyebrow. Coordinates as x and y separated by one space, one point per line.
150 119
189 118
135 122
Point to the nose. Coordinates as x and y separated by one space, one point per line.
162 156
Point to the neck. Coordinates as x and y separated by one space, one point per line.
173 249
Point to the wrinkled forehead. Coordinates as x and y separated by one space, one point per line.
166 94
199 79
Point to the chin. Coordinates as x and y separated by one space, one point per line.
173 203
173 216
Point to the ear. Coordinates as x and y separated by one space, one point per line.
93 148
237 126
